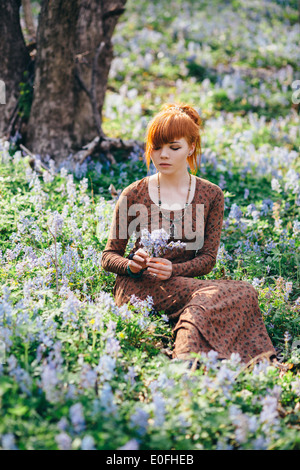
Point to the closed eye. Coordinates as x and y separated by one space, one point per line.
171 148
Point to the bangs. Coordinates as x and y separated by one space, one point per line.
168 129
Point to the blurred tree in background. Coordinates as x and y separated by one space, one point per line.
69 71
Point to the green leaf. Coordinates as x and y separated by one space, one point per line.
5 385
18 410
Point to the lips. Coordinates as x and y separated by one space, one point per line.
165 164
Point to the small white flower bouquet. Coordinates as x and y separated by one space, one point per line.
156 243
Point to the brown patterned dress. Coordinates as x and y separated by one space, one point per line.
220 315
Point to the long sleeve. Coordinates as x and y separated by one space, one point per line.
113 254
204 262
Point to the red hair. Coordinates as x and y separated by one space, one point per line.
175 121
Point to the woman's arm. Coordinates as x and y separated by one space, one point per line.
113 254
204 262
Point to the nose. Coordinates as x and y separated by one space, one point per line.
164 152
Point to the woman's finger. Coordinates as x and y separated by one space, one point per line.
138 258
142 253
162 261
159 272
134 265
158 266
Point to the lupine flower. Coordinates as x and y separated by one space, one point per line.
159 408
210 359
125 313
71 308
51 374
265 207
105 300
144 306
260 443
91 254
261 367
112 346
155 242
64 441
223 256
258 282
88 443
289 287
88 376
107 400
77 417
130 445
70 261
246 193
130 376
139 419
222 445
225 379
161 383
71 190
21 376
243 424
222 181
110 330
8 442
63 423
50 383
235 359
106 367
56 222
47 177
269 416
275 185
235 212
296 227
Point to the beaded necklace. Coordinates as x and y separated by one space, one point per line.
172 226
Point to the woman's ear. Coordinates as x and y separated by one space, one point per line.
192 149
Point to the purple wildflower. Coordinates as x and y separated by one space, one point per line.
8 442
130 445
64 441
88 443
139 419
77 417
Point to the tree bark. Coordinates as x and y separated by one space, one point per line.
69 35
14 60
28 17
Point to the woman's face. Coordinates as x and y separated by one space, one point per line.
174 154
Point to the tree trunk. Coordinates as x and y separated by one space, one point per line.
28 17
14 60
69 35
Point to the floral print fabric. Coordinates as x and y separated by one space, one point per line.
222 315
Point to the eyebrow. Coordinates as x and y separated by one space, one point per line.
174 142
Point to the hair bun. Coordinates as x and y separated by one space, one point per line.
184 108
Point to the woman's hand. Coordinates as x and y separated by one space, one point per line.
161 267
139 261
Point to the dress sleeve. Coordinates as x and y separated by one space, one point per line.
205 260
113 254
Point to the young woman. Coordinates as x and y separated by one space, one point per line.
220 315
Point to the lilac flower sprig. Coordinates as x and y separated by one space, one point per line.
155 243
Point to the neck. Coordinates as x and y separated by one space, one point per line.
174 181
